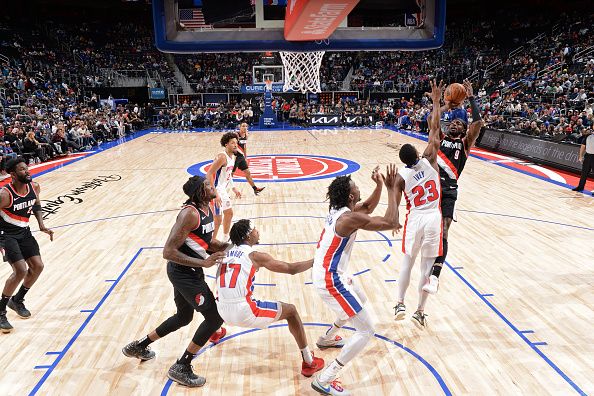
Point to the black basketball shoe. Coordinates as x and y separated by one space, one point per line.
19 308
136 351
184 375
5 327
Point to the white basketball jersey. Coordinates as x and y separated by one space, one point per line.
333 251
225 173
422 188
236 275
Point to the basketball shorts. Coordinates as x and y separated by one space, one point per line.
190 288
448 202
341 294
20 246
422 233
225 202
240 162
255 313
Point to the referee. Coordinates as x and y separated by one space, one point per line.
586 157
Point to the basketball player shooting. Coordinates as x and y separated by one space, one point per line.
453 152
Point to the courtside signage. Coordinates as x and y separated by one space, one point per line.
287 168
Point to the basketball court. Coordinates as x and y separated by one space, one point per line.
511 317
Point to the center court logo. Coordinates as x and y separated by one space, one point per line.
287 168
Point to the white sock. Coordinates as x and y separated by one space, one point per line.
329 373
306 355
333 330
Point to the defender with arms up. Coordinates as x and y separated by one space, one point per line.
333 285
419 182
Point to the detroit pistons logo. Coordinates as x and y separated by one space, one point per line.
287 168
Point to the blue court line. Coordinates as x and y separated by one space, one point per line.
527 331
362 272
390 280
539 343
487 295
110 280
61 355
386 258
86 310
53 352
309 283
41 367
518 332
431 369
458 268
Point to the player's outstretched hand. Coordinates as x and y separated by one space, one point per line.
436 91
396 230
390 176
376 176
468 86
237 193
214 259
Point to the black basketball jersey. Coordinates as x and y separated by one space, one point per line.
15 218
241 142
199 238
451 159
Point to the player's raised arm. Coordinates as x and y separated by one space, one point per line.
369 205
474 129
434 132
350 222
265 260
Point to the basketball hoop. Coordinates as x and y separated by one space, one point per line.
268 85
302 71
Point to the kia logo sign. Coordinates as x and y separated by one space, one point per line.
325 120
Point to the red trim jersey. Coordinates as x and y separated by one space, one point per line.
451 159
15 218
236 275
199 238
421 187
242 142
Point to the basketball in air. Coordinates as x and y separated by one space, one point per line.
455 94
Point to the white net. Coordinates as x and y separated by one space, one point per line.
302 71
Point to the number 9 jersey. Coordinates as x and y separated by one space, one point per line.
423 224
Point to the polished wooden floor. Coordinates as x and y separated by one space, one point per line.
513 315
